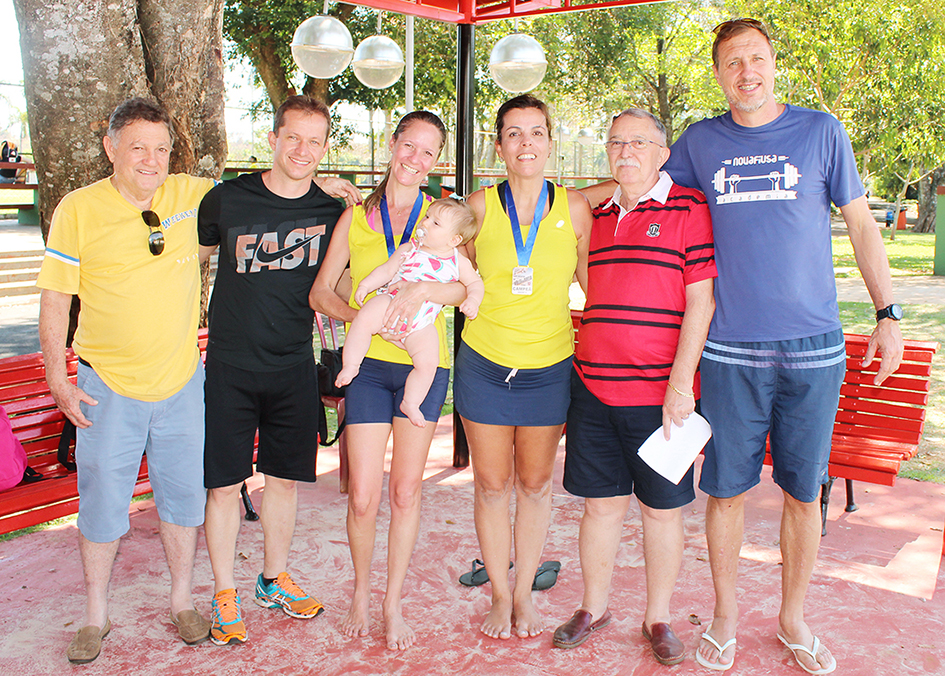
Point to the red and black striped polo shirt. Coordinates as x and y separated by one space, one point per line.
638 270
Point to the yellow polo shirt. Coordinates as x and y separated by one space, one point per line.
138 323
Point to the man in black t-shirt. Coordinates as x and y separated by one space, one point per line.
272 229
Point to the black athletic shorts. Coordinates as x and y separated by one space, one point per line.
282 405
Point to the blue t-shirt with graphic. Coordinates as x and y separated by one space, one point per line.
769 190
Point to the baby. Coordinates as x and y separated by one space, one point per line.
430 256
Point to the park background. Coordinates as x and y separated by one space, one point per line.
877 66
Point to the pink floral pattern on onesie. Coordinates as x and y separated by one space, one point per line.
420 266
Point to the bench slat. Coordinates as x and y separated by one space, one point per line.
891 383
848 405
891 436
864 418
872 447
919 370
913 350
892 396
856 473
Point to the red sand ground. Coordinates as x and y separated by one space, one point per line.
872 600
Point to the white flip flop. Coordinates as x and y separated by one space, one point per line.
812 651
716 666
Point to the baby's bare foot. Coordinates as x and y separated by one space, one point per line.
413 413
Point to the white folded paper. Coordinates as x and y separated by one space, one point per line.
673 458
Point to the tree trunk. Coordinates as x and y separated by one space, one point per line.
662 91
266 61
906 182
81 58
928 199
183 55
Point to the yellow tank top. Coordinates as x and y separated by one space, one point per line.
524 331
368 250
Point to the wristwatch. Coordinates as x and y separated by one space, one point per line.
893 312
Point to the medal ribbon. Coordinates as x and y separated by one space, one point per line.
411 222
524 249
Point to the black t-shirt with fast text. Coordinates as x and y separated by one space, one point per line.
270 251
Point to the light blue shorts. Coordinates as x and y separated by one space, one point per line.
108 455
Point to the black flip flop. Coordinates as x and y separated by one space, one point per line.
546 575
477 575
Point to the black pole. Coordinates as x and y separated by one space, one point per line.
465 117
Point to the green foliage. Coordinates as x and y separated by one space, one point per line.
656 57
879 67
875 65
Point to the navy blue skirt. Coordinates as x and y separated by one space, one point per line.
487 393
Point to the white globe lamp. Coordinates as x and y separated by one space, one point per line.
378 62
322 47
518 63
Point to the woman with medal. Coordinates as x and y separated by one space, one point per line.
512 380
367 234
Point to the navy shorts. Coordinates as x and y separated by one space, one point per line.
788 388
282 405
601 458
375 394
489 394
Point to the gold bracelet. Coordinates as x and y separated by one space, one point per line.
691 395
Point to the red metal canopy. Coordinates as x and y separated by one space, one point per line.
481 11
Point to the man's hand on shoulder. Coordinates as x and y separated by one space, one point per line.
67 397
886 340
339 187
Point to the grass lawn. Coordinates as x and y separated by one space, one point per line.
910 254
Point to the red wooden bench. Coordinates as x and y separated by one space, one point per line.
877 427
37 423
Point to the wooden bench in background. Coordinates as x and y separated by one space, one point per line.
27 208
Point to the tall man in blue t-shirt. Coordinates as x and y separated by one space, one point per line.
775 357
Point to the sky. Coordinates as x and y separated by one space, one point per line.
12 103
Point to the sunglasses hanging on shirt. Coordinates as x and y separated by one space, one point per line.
156 238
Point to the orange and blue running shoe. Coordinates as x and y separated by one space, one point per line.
226 620
284 593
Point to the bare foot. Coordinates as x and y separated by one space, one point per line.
722 631
346 375
527 620
413 413
358 620
821 661
498 623
399 635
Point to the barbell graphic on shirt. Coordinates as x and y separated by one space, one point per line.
790 176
